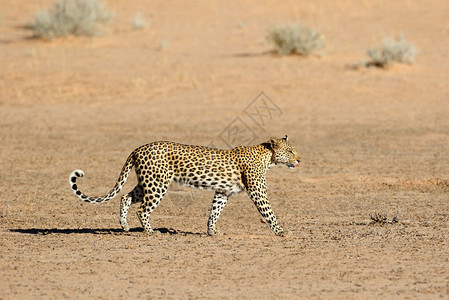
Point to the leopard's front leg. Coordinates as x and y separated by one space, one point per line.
257 190
266 211
218 204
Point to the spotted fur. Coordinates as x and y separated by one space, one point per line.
227 172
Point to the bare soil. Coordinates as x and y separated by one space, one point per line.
371 141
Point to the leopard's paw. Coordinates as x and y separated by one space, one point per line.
281 232
212 232
125 227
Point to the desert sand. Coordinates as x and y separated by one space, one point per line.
202 72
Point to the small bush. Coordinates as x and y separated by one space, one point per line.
382 218
296 39
138 22
72 17
392 50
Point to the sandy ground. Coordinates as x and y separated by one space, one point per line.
370 140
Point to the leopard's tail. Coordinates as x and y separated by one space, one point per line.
118 186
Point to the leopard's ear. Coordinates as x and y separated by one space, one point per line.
285 138
274 143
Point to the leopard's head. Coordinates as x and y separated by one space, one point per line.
284 152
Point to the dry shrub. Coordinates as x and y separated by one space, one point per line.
296 39
72 17
382 218
138 22
392 50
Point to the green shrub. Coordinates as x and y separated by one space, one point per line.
72 17
296 39
392 50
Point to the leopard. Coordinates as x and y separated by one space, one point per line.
226 172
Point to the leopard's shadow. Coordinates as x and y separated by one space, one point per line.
116 231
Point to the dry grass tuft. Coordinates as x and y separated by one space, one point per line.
138 22
392 50
382 218
296 39
72 17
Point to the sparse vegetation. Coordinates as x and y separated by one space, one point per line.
163 45
392 50
382 218
138 22
72 17
296 39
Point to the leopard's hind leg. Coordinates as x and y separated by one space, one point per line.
151 198
136 195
